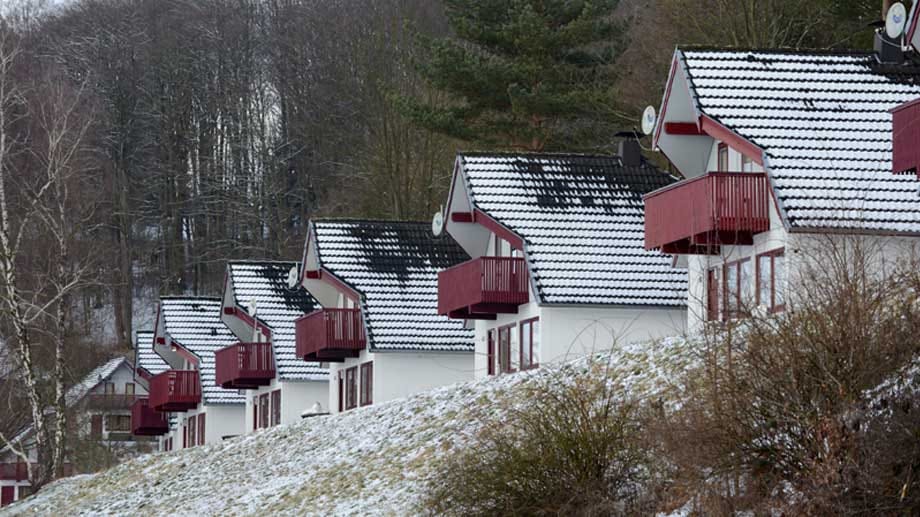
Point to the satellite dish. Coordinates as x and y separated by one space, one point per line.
648 120
896 20
252 307
437 223
292 278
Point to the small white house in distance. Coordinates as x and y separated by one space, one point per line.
280 386
99 407
188 332
558 267
146 421
379 329
785 153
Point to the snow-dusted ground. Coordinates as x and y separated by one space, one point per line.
370 461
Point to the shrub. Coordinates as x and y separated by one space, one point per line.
568 445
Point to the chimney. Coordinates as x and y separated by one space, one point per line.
630 152
888 50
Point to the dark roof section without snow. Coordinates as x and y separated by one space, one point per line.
582 220
394 266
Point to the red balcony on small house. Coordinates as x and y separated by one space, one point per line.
175 390
483 287
146 421
697 215
245 366
330 335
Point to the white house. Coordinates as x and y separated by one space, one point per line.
379 329
146 421
280 386
187 334
782 151
558 268
99 407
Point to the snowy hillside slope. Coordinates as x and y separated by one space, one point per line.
371 461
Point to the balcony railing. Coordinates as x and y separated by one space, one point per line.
698 215
175 390
245 366
483 287
146 421
110 401
330 335
15 471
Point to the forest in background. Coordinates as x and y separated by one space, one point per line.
150 141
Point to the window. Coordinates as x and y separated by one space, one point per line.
747 164
771 279
255 413
723 158
490 352
190 431
351 388
129 388
504 349
263 410
737 293
713 288
109 388
530 343
367 384
117 423
201 429
341 393
276 407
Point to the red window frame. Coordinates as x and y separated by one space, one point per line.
772 306
255 412
367 383
504 348
276 407
529 324
727 295
7 495
96 426
190 431
263 410
201 429
490 351
713 291
721 164
351 388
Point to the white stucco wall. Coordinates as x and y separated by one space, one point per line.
296 396
399 374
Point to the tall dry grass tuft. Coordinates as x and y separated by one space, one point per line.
565 445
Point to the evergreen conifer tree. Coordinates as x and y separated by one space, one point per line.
525 74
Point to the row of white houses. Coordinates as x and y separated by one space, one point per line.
540 258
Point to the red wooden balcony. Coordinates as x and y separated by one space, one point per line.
695 216
175 390
483 287
146 421
245 366
330 335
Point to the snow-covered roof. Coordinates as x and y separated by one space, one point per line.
823 122
582 222
277 306
195 324
144 356
394 266
98 375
